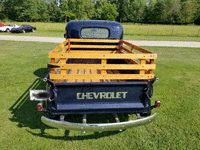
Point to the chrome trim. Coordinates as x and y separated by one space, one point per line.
98 126
34 95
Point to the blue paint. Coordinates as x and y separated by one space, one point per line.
73 28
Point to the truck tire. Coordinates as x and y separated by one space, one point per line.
23 31
33 30
7 30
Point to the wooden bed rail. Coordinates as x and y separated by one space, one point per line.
109 53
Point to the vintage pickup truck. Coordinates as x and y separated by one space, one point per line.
94 71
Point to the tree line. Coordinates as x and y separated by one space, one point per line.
138 11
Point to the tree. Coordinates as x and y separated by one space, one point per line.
172 11
109 12
2 11
197 15
148 13
137 11
10 9
105 10
26 10
188 11
89 7
54 12
157 12
76 7
43 11
123 7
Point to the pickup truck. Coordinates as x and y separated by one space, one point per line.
94 71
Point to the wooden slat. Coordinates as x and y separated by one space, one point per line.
110 72
120 46
53 61
117 72
62 62
80 71
92 51
65 49
107 66
95 40
103 62
69 45
100 76
94 72
65 42
94 46
151 62
143 62
87 71
103 71
137 47
131 61
127 50
103 56
62 45
57 48
71 72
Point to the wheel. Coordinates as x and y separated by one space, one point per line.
7 30
23 31
33 30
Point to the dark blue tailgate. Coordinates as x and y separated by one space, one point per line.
112 97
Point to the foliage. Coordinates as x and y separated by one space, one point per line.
2 14
109 12
54 12
188 11
138 11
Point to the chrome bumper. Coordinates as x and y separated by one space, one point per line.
98 126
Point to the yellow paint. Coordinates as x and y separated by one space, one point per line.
100 72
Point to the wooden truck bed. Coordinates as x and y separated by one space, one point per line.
96 60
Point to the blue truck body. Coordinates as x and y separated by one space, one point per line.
131 95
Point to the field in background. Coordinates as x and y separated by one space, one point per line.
23 64
131 31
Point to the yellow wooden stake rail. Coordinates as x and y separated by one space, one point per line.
103 50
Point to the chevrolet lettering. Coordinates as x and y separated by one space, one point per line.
102 95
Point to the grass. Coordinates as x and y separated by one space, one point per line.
131 31
162 30
22 66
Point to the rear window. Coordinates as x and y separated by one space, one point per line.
97 33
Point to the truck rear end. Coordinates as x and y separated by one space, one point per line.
94 71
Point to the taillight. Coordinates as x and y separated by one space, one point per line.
157 104
39 107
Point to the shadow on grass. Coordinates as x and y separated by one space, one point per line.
25 113
95 135
41 73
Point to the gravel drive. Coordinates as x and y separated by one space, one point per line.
136 42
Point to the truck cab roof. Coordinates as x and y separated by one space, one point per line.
94 29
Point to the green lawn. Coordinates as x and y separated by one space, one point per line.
131 31
23 64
